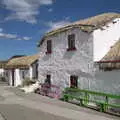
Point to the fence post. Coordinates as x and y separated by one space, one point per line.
102 107
86 99
106 104
81 102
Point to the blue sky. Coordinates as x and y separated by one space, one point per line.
24 22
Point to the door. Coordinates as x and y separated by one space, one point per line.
48 79
73 81
13 77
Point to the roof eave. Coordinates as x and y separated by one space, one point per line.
63 29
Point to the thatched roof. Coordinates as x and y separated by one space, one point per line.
86 25
99 20
22 62
2 64
16 56
112 59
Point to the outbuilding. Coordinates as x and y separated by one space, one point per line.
19 68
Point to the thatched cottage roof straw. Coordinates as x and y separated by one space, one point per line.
3 64
112 59
99 20
22 62
86 25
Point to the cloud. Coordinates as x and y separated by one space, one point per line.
12 36
58 24
24 10
50 10
7 36
26 38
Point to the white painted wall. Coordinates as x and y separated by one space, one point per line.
104 39
62 63
1 71
35 70
9 77
17 77
106 81
30 72
26 72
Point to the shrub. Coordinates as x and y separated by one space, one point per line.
2 78
27 82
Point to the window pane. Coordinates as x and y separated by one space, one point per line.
49 46
71 41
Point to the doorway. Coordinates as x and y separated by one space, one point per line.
74 81
13 77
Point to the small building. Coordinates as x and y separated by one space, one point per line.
20 67
68 54
2 66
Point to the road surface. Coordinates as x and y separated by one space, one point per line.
16 105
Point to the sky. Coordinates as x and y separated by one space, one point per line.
24 22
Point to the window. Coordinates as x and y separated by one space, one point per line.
49 47
48 79
73 81
71 42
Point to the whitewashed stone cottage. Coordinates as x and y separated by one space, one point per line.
68 54
19 68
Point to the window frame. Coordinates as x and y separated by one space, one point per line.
49 47
71 42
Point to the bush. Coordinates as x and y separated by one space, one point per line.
27 82
2 79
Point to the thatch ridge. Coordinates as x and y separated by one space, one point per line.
99 20
22 62
86 25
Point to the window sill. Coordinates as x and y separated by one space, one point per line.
48 52
71 49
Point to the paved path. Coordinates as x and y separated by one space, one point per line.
1 117
15 105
